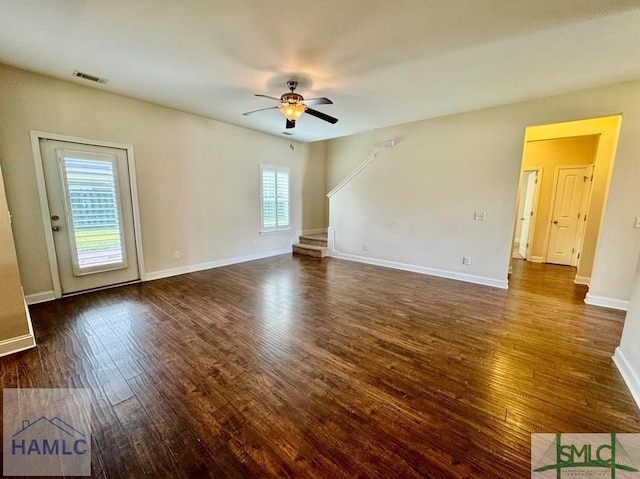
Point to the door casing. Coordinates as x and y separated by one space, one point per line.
534 206
36 136
533 213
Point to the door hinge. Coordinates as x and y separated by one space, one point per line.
578 215
536 181
578 256
573 250
585 179
585 218
527 245
532 213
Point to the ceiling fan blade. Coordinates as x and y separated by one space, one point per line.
318 101
291 124
267 96
261 109
322 116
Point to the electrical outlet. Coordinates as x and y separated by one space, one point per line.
466 260
365 246
176 255
479 216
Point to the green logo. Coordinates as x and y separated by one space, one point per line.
590 451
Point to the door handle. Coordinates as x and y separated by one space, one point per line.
55 228
555 222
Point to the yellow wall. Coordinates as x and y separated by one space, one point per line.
607 130
548 154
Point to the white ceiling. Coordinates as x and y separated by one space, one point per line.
382 62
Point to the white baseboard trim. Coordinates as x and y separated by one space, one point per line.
331 241
150 276
630 376
535 259
605 302
582 280
469 278
41 297
17 344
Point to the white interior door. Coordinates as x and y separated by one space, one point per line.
89 197
582 220
530 183
566 210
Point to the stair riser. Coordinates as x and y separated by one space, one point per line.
310 252
315 242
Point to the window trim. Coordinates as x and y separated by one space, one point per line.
276 169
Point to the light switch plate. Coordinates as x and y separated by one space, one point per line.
637 225
479 216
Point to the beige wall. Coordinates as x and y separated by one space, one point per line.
548 154
197 178
414 204
345 154
315 203
13 318
631 338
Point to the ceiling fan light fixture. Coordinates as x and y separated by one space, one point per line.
292 112
292 105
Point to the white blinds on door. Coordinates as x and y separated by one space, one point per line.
93 213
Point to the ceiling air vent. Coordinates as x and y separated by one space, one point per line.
86 76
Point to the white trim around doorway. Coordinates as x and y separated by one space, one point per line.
36 136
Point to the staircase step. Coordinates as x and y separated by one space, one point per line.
317 240
310 250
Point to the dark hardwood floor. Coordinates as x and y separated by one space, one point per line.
295 367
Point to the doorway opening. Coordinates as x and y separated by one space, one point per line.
89 212
564 181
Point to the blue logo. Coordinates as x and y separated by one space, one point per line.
46 432
46 436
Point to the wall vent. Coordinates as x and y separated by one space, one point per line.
86 76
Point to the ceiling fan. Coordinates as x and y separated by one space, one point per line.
292 105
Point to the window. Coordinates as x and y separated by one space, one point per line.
274 198
92 206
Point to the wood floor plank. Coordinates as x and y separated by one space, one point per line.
294 367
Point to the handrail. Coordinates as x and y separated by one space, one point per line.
351 176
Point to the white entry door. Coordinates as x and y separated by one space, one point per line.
570 185
89 196
530 183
